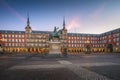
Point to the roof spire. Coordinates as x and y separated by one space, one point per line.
64 22
28 22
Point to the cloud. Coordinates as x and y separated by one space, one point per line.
74 24
98 12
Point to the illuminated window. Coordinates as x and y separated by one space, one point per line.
9 35
12 40
117 44
31 44
16 44
39 44
9 44
35 44
68 37
19 40
23 45
12 44
19 35
12 35
16 36
69 41
5 35
16 40
22 40
109 40
118 39
22 36
2 35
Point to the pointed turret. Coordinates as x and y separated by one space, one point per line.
28 22
28 28
63 23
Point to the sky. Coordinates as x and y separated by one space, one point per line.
81 16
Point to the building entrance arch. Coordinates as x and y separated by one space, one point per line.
110 48
88 48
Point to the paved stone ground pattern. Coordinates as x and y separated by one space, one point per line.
73 67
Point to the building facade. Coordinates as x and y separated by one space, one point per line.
39 41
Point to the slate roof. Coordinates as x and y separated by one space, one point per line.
69 34
11 32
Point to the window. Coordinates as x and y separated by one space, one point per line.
22 36
31 44
19 35
12 35
36 40
109 40
9 35
5 35
16 44
68 37
2 35
12 40
22 40
23 45
72 37
72 41
118 39
28 45
80 41
117 44
80 45
9 44
12 44
16 40
19 44
75 45
69 41
35 44
39 44
72 45
16 36
6 44
75 41
19 40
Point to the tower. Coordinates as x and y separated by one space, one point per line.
64 35
64 30
63 23
28 28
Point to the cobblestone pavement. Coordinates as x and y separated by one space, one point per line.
56 67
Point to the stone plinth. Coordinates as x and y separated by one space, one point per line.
55 47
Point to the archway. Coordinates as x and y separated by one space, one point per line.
110 48
88 49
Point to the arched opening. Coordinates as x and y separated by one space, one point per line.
110 48
88 49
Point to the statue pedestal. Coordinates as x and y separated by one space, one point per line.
55 47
